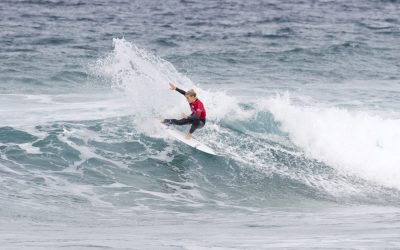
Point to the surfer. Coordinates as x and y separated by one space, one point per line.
198 116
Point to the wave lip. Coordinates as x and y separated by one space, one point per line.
352 142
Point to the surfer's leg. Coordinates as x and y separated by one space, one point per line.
195 125
167 121
176 122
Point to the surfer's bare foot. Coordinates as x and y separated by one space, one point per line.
188 136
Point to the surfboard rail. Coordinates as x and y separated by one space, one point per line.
190 142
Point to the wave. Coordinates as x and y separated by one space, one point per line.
107 151
353 144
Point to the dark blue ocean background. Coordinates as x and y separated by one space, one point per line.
302 99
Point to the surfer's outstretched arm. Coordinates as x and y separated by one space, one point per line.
181 91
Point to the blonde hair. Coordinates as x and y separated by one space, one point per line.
190 93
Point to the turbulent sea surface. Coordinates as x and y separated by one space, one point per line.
302 99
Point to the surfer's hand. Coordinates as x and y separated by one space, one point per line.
172 86
183 115
188 136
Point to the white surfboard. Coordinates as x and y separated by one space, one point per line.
191 142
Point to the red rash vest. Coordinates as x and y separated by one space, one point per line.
197 107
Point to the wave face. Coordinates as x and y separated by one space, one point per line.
302 108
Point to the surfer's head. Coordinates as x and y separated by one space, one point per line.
190 96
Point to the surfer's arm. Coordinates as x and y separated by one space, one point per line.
194 116
180 91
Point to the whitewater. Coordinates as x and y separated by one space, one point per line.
302 108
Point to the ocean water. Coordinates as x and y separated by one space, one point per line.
302 98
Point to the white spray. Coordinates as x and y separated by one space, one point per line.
352 142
